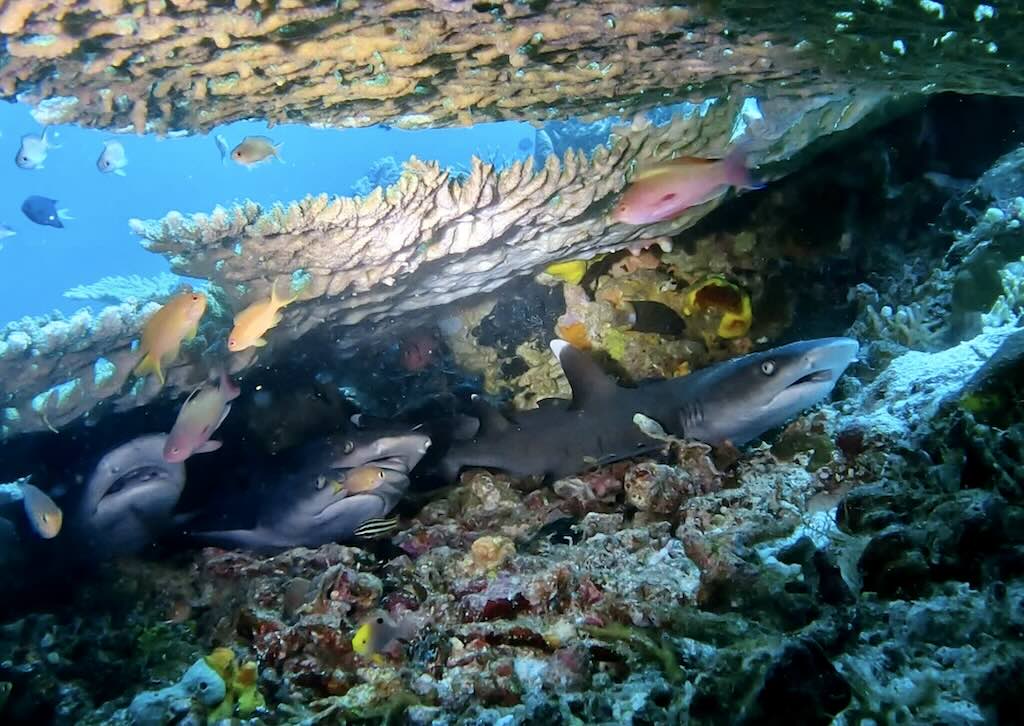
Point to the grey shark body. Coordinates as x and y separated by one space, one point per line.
308 506
734 401
129 498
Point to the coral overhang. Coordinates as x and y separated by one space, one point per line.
192 65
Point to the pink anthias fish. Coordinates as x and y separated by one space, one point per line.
198 418
666 190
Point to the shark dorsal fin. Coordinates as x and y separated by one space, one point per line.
589 383
491 420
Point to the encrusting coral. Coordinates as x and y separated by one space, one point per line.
413 63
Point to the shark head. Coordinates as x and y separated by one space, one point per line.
130 495
742 398
396 452
324 473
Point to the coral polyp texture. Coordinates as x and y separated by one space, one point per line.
412 63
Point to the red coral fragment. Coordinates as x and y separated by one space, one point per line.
518 637
504 608
587 592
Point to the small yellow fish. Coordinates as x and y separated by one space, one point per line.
43 514
253 323
571 271
255 150
176 321
363 479
376 633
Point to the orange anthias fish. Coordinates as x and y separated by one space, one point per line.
253 323
255 150
198 418
176 321
666 190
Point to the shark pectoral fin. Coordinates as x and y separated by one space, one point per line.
589 383
491 419
258 539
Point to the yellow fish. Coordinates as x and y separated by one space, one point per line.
43 514
376 633
253 323
571 271
255 150
363 479
176 321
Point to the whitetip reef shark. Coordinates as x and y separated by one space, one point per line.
308 504
129 498
733 401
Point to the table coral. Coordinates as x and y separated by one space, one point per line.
127 288
394 251
412 63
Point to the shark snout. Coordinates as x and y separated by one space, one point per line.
829 357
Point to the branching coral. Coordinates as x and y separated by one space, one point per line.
54 370
1009 307
127 288
383 173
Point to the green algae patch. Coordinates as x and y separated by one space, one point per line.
639 640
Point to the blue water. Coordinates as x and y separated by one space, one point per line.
184 174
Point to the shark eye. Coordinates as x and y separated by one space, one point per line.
321 481
380 621
349 446
768 367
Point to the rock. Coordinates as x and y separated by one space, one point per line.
893 565
801 686
199 685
